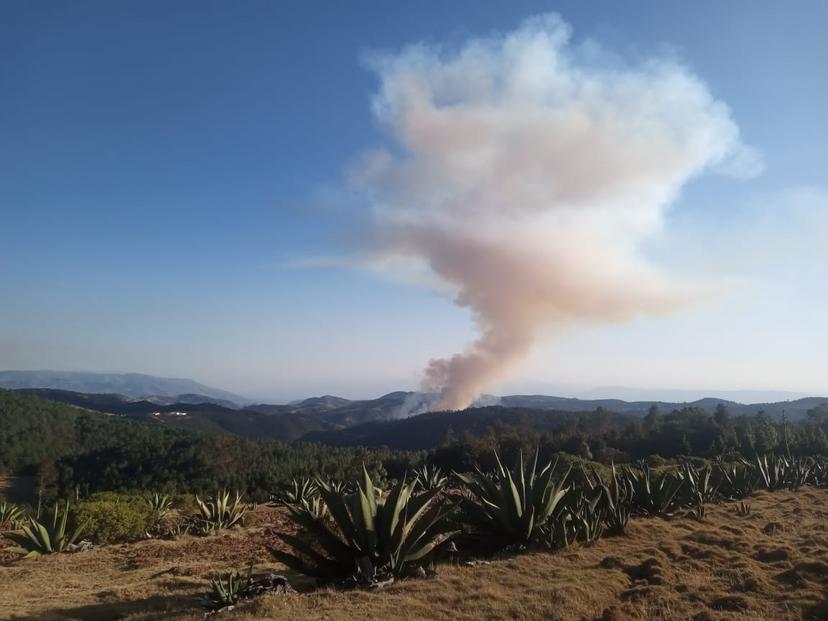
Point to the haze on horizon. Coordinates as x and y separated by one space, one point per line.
178 197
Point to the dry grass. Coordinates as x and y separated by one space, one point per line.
772 564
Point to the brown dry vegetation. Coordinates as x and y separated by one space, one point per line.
771 564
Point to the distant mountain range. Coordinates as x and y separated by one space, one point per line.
536 412
794 409
396 405
675 395
131 385
346 413
397 418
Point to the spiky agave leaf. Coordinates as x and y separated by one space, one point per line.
300 491
735 480
220 512
589 516
773 471
653 494
411 525
365 531
308 560
695 482
819 474
229 590
10 514
799 472
512 506
429 477
615 500
47 537
159 504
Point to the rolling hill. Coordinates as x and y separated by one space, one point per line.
389 420
204 416
132 385
426 431
794 410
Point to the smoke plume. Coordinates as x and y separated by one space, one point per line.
525 172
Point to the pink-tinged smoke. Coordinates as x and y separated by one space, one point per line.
525 174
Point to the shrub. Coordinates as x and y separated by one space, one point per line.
114 518
574 464
185 504
656 461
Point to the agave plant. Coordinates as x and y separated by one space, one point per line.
304 493
343 487
559 531
229 590
617 501
47 537
736 480
587 515
799 472
10 514
653 494
615 497
429 477
299 492
819 474
159 504
698 482
773 471
697 511
221 512
178 529
365 534
514 507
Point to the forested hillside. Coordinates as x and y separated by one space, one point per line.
281 424
69 447
600 435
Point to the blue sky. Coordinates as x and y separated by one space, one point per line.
164 167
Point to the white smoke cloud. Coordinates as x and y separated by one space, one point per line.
525 179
